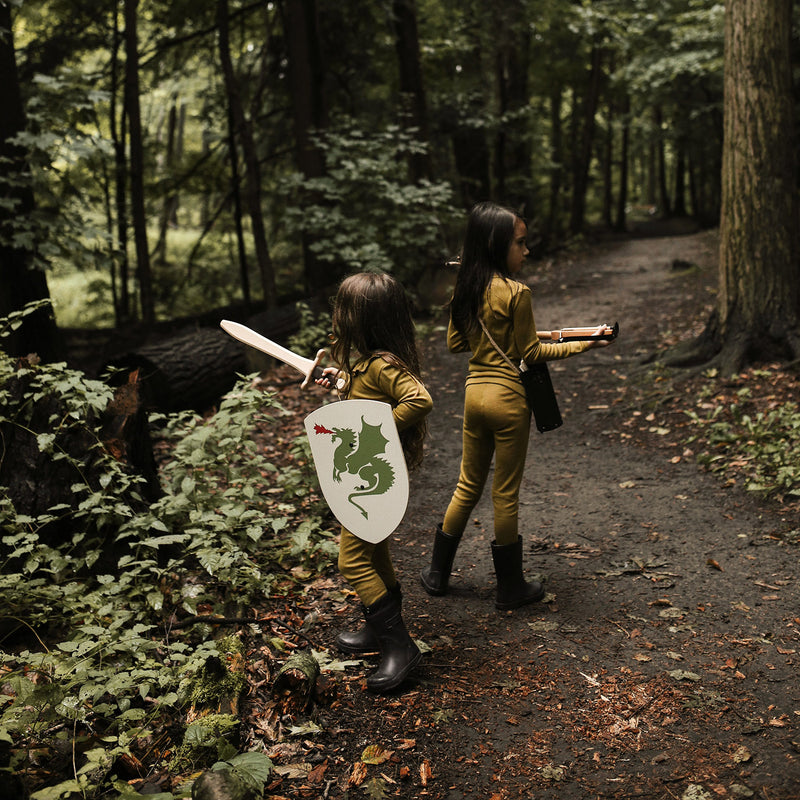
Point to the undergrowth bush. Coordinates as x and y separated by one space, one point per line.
99 667
764 446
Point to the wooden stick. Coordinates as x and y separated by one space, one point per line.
579 334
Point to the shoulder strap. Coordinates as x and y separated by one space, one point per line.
494 344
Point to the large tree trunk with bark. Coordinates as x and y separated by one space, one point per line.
758 308
189 370
20 281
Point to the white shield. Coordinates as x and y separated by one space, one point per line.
360 465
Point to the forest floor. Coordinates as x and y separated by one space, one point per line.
662 663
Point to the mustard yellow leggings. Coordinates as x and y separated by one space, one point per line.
497 422
366 567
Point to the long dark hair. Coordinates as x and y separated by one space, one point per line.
484 254
372 316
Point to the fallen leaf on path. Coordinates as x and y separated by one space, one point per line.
375 754
683 675
407 744
294 772
552 773
712 563
741 755
673 655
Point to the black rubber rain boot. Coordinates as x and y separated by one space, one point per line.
363 640
513 590
399 653
435 577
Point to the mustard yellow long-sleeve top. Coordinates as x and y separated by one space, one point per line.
507 313
373 378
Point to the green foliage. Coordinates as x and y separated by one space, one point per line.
765 444
101 667
364 214
313 332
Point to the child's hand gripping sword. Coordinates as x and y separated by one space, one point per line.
310 368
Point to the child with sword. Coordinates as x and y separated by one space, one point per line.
374 346
488 304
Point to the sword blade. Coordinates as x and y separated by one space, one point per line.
250 337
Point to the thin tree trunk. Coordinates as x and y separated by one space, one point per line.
622 197
608 167
582 156
679 206
253 175
661 165
119 264
146 297
553 230
169 202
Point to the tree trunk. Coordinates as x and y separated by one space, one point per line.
661 164
513 180
412 89
236 192
679 205
306 78
553 228
582 155
253 175
119 280
607 160
759 290
169 204
189 370
21 281
758 307
138 215
622 197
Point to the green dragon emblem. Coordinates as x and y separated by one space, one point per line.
360 454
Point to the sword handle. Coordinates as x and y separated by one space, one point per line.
315 371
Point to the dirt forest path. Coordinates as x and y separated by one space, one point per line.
663 664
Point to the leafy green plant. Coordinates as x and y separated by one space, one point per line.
313 331
364 214
764 445
103 664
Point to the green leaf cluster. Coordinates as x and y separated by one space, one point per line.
765 444
100 666
363 214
